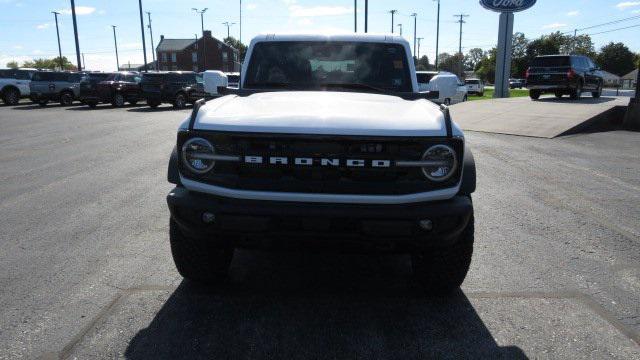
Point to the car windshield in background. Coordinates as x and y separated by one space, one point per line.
472 82
551 61
309 65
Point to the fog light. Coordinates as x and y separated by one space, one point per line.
208 218
426 224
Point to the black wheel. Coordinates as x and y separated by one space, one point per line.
465 98
66 98
199 260
558 94
153 104
118 100
180 101
43 103
481 94
92 104
596 94
576 93
133 102
534 94
11 96
447 101
441 271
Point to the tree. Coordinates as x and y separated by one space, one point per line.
12 65
422 64
578 45
486 69
50 64
546 45
235 43
473 58
616 58
451 63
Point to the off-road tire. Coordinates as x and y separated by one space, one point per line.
447 102
199 260
534 94
92 104
153 104
66 98
11 96
118 100
558 94
180 102
442 270
133 102
43 103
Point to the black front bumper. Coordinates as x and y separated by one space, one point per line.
271 224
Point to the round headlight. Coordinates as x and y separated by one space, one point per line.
440 163
197 155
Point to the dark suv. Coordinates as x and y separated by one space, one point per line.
117 89
178 88
564 75
89 88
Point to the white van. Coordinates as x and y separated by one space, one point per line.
475 86
452 90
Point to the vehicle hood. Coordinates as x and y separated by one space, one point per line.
322 112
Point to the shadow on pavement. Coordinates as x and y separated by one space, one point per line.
103 107
315 306
147 109
583 100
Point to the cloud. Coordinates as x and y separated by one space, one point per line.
251 6
627 4
573 13
312 11
43 26
554 26
80 10
304 22
18 47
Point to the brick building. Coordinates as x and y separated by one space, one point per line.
187 54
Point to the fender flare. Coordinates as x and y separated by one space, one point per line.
468 184
10 86
173 175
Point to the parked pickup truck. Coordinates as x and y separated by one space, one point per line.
327 143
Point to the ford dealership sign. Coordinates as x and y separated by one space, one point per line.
507 5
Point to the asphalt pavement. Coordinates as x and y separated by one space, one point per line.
86 270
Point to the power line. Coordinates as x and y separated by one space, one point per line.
610 23
618 29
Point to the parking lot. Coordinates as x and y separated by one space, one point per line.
86 270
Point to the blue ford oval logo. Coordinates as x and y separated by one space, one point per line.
507 5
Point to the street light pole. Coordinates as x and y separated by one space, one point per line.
75 33
228 25
144 44
153 49
204 40
437 34
415 31
400 26
393 12
419 40
366 16
355 16
55 14
240 40
115 42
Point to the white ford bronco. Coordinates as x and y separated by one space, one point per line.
327 143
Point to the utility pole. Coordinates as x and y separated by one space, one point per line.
461 21
419 40
144 43
153 49
240 40
75 33
355 16
437 34
366 16
115 42
400 26
393 13
84 66
204 40
415 31
228 25
55 14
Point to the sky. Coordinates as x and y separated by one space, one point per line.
29 30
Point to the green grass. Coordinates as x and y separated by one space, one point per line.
488 94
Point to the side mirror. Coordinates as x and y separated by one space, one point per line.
214 81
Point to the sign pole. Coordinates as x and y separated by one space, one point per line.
503 56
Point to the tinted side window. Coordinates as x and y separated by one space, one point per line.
23 75
44 76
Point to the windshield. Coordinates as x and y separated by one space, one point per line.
310 65
551 61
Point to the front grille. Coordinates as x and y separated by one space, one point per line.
319 179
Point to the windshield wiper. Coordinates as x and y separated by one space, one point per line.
355 86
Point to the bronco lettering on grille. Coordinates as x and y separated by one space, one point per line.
307 161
